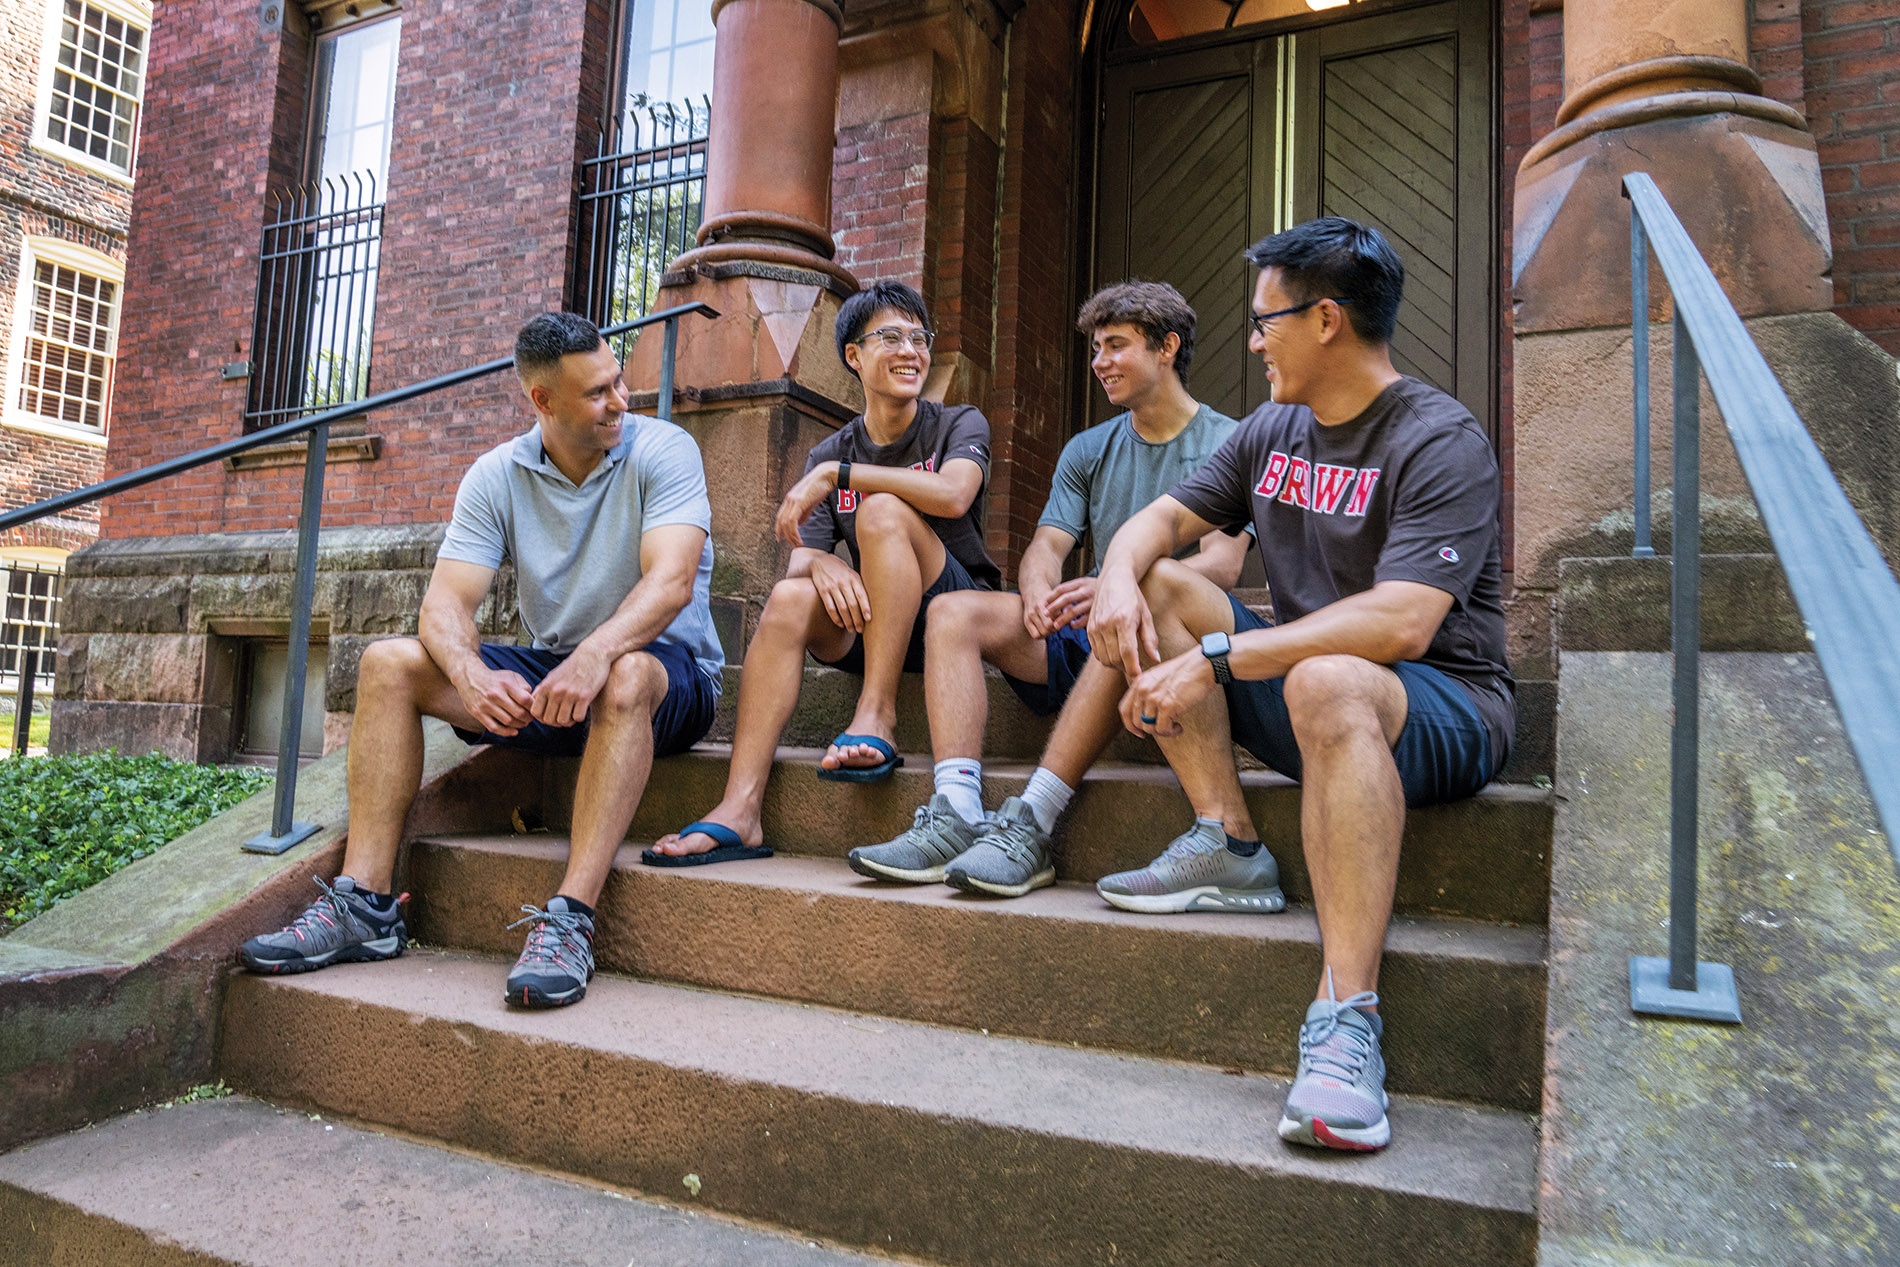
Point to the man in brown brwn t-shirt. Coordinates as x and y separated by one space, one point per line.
1382 682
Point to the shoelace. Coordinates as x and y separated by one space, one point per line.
550 937
318 913
1016 840
1192 845
1332 1048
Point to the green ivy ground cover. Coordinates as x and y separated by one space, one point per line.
67 823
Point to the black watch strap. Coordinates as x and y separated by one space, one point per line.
844 475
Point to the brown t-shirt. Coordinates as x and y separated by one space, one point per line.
935 436
1407 491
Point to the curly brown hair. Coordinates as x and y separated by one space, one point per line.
1154 308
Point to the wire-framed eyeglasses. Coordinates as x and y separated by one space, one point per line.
892 338
1258 320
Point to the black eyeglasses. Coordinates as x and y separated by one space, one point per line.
1258 320
893 338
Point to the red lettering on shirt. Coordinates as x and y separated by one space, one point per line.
928 464
1329 486
1362 493
1294 494
1271 477
847 500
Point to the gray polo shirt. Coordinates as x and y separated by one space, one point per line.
576 550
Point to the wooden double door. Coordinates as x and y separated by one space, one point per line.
1386 119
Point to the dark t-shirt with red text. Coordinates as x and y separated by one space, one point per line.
1407 491
935 436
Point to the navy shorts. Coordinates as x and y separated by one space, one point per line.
953 577
1068 650
1443 754
682 718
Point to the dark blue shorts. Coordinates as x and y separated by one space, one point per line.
953 577
1443 754
682 718
1068 650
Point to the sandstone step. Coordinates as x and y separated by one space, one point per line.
1464 1000
1485 858
960 1147
239 1182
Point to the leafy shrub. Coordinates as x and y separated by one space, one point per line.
67 823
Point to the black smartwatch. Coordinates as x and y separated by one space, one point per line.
844 475
1215 647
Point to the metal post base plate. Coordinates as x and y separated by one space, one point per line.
1713 999
264 842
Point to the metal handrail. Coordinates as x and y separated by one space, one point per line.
285 831
1849 601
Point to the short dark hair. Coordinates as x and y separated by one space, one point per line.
1154 308
867 303
1336 258
549 337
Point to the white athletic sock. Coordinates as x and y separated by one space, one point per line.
1048 796
961 779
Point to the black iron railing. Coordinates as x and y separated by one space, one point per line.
1848 599
285 831
640 206
316 299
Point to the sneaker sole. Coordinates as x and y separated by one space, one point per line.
531 997
1349 1139
971 884
1205 898
363 952
878 871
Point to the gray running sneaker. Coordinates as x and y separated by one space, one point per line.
339 927
1197 872
1010 857
936 834
1338 1098
558 961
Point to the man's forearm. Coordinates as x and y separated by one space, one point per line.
1040 572
928 492
655 601
1371 626
450 637
1141 542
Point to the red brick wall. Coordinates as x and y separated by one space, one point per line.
1850 68
490 122
880 200
42 195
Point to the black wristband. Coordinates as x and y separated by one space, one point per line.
844 475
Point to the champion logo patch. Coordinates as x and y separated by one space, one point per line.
1448 554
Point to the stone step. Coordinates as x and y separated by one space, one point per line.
916 1139
233 1181
1484 858
1465 1001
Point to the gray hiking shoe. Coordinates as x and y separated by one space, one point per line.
558 961
936 834
1010 857
1338 1098
1197 872
339 927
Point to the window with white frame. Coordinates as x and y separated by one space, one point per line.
65 337
92 80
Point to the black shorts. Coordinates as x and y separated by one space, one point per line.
681 720
1443 754
953 577
1068 651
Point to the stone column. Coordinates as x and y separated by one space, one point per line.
1659 86
759 385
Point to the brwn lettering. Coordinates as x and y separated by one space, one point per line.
1317 486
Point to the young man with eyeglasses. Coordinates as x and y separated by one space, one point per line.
1382 681
902 486
1142 337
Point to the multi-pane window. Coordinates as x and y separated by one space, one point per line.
29 621
98 79
669 52
67 347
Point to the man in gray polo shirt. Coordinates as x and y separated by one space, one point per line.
607 522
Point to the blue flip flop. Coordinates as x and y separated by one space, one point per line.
729 849
863 773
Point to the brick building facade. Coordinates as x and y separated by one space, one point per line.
972 155
65 200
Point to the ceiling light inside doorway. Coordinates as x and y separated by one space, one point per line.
1327 4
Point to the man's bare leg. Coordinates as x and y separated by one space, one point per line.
397 685
1186 606
793 622
967 629
898 557
1088 721
614 769
1347 713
